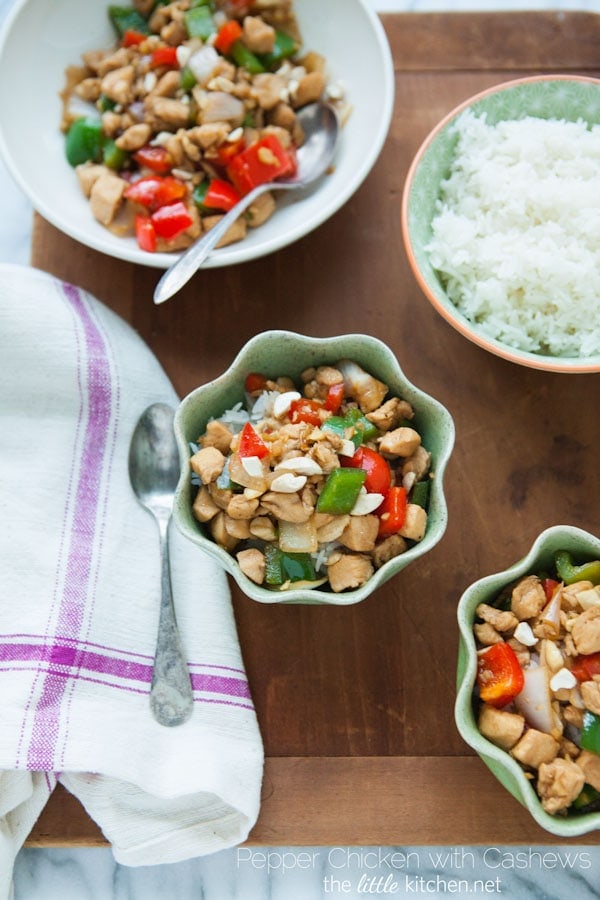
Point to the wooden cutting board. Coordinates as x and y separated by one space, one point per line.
355 704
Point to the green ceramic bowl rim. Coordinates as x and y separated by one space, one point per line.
577 541
571 365
326 348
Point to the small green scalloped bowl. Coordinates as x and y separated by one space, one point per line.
277 353
569 97
507 770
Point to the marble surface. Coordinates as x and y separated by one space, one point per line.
303 873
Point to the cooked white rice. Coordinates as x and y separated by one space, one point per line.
516 236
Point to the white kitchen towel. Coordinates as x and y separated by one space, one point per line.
79 600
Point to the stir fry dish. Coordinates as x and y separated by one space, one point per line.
538 681
317 486
194 106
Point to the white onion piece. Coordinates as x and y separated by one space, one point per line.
535 701
550 616
203 63
297 537
78 108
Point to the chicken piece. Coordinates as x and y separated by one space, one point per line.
309 89
417 464
260 209
217 435
360 533
590 694
219 106
106 196
390 547
325 455
240 474
221 496
535 748
573 715
390 413
401 441
268 90
167 85
103 63
88 174
486 634
528 598
117 85
166 113
242 507
262 527
283 116
208 464
258 36
502 620
89 89
586 631
330 528
348 570
415 523
134 137
559 783
253 564
204 507
236 232
589 763
209 136
367 390
237 528
219 532
144 6
501 728
174 33
288 507
282 135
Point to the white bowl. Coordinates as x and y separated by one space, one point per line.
40 39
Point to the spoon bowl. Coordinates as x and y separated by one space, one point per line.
154 469
321 130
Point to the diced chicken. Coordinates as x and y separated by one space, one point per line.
167 85
267 89
89 89
559 783
391 413
501 728
535 748
219 106
220 534
134 137
174 33
209 136
102 62
237 528
253 564
166 112
262 527
282 135
309 89
502 620
368 391
415 523
486 634
106 196
257 35
586 631
390 547
401 441
590 694
288 507
589 763
284 116
360 533
528 598
208 464
87 175
260 209
348 570
329 528
204 507
217 435
242 507
417 464
144 7
117 85
221 496
236 232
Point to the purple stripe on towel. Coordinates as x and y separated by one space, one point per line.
81 541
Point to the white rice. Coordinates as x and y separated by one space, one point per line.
516 236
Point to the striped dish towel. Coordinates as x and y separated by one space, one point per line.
79 601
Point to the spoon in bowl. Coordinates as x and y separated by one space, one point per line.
321 127
154 472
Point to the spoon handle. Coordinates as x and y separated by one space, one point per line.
189 262
171 698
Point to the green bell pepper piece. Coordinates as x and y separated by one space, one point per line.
588 796
570 573
362 429
199 22
420 494
281 567
245 58
126 18
340 491
284 47
85 141
113 156
590 732
187 79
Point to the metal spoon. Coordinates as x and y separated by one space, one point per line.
154 472
320 125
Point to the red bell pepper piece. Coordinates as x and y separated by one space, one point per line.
392 512
227 35
156 158
164 56
145 233
255 382
379 475
499 675
220 195
261 162
549 585
171 220
305 410
251 443
585 667
227 151
154 191
132 38
334 397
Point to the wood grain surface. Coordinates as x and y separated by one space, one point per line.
355 703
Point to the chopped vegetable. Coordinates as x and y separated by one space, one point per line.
341 491
251 444
285 46
282 567
164 56
261 162
584 668
570 573
392 512
305 410
590 732
145 233
127 19
171 219
216 194
85 140
227 34
158 159
379 474
199 22
154 191
499 675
